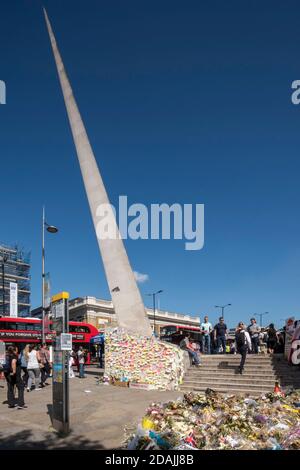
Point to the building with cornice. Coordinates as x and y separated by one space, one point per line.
100 313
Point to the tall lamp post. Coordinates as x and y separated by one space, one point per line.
4 260
50 229
154 294
223 308
260 315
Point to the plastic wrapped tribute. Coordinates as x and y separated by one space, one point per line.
215 421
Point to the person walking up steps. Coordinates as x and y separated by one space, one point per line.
243 344
272 338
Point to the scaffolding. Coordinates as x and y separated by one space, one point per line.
14 267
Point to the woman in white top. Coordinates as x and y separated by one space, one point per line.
33 368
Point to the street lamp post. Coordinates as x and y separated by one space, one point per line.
50 229
154 294
260 315
223 308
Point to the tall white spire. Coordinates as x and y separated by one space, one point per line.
125 294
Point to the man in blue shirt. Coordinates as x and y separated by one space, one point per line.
206 329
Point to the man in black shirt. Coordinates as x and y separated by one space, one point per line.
220 332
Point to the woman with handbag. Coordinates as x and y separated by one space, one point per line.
12 372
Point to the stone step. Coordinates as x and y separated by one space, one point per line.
251 363
229 379
242 381
254 356
216 367
236 356
231 391
220 372
255 375
231 374
233 369
236 383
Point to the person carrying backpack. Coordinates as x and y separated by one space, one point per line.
243 343
272 338
12 372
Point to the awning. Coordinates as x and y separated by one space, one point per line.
98 339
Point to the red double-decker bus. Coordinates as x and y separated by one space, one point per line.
175 333
22 331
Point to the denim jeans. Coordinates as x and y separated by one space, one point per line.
194 356
221 340
255 343
81 370
206 343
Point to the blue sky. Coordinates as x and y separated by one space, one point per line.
183 102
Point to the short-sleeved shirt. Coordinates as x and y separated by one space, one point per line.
221 329
254 330
33 362
206 328
184 344
44 355
80 355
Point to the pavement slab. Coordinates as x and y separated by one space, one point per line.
97 418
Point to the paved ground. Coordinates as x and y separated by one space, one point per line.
98 418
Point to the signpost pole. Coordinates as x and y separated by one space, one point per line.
2 352
62 346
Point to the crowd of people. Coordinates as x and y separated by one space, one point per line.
216 340
27 369
30 368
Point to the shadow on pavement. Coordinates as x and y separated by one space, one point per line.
25 440
226 365
98 372
49 411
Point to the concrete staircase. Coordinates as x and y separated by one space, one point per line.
220 373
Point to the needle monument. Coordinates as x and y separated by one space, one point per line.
126 297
